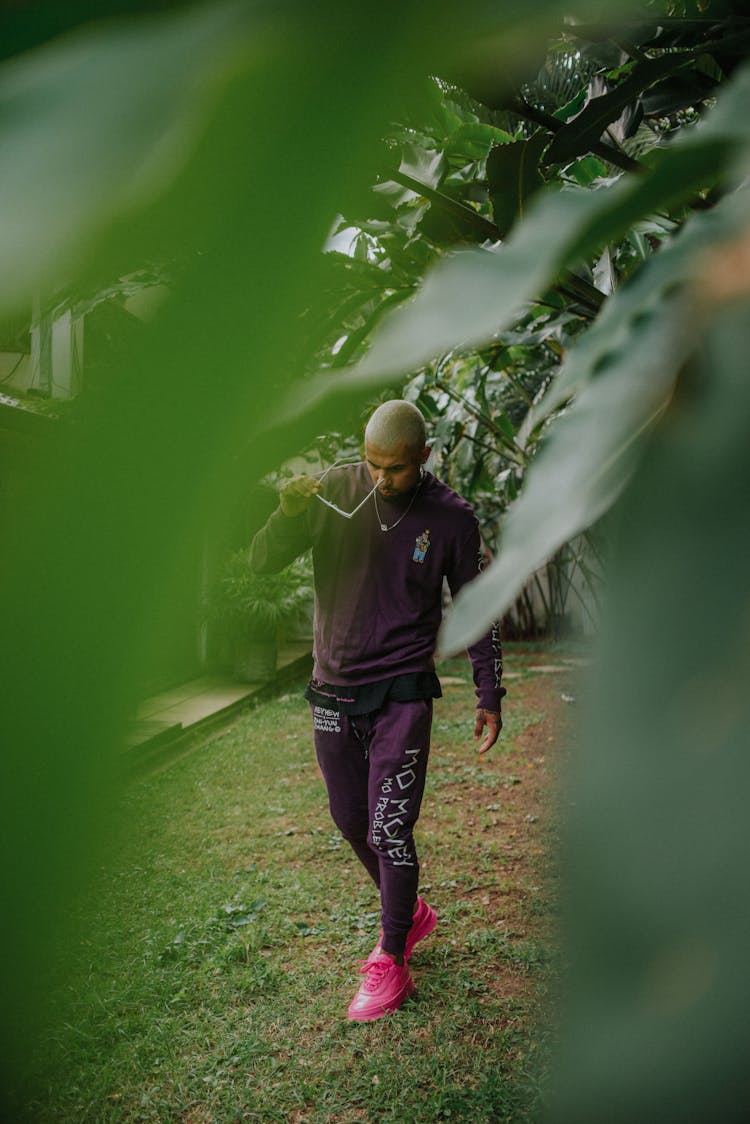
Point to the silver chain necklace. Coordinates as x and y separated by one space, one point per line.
384 526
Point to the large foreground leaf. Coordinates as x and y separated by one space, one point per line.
579 473
612 332
628 364
658 846
96 124
102 519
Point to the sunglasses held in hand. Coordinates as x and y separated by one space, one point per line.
333 506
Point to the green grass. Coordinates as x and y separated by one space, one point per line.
217 955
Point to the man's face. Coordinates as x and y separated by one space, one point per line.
396 469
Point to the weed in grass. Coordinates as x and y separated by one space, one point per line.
484 940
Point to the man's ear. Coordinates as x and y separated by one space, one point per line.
425 454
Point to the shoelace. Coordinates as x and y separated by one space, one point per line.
375 970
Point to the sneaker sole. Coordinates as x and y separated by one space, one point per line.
390 1009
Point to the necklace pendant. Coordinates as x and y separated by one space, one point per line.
384 526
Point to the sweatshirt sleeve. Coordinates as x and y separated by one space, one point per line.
486 654
279 542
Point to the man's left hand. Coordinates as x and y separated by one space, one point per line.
493 720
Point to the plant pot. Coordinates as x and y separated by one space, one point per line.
300 627
254 659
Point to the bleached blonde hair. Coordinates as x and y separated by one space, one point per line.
394 422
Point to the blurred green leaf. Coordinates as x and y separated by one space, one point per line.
123 139
622 372
641 297
580 471
97 123
657 844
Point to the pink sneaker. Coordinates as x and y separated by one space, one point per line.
425 920
385 986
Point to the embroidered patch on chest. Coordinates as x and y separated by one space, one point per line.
421 547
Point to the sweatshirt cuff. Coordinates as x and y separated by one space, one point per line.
285 527
492 699
280 516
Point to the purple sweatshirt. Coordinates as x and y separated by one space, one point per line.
378 594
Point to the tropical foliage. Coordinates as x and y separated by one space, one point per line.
567 231
601 137
259 602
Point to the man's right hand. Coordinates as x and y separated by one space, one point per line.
296 493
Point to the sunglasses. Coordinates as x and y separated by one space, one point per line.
333 506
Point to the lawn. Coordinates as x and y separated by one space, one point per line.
221 948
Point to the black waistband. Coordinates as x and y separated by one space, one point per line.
366 697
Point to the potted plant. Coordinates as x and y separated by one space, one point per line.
251 608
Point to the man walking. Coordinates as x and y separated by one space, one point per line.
384 537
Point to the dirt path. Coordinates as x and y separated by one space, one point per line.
505 806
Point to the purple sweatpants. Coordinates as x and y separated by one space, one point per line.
374 767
